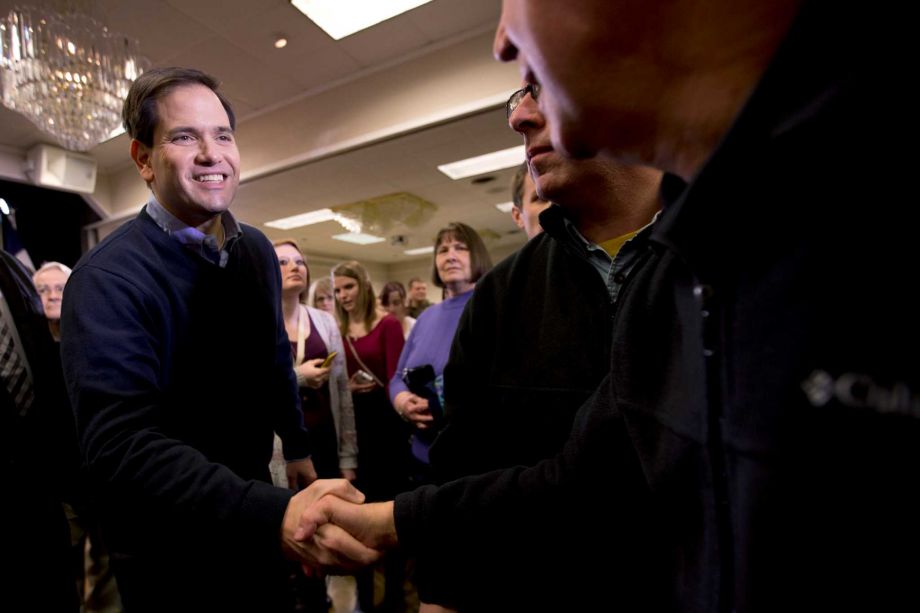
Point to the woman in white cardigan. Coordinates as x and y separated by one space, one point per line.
325 398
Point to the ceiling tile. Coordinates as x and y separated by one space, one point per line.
244 78
436 20
173 34
384 41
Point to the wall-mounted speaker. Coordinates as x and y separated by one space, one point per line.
61 169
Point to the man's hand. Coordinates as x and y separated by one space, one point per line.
329 548
300 474
372 524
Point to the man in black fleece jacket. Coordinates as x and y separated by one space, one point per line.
756 445
179 370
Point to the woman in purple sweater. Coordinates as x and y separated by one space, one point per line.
460 259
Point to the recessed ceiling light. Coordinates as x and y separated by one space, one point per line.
304 219
339 18
4 207
280 41
505 207
419 250
497 160
359 238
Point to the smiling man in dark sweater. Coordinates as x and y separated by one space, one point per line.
179 370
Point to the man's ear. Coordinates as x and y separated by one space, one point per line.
518 217
140 153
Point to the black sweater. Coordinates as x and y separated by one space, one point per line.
179 371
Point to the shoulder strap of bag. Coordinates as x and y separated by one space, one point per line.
360 363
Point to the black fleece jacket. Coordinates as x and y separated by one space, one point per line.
757 444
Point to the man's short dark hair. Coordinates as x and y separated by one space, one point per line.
139 112
415 280
480 261
517 186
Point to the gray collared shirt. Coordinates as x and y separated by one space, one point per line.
613 270
194 239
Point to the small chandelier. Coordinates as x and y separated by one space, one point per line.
67 73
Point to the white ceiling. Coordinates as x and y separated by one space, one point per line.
233 40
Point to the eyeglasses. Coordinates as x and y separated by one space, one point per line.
47 289
515 100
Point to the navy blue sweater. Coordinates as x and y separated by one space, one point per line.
179 371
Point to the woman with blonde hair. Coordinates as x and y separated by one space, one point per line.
325 398
322 296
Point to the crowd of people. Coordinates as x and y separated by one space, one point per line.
690 390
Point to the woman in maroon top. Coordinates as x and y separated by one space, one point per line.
373 342
377 337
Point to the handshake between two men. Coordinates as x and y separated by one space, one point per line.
327 528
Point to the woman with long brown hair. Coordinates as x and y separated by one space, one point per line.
373 342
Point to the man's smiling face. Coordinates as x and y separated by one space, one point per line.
193 165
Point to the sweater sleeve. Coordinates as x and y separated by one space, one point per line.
348 437
112 355
518 523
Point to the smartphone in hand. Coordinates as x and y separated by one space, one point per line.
328 361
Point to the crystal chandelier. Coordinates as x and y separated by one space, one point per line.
67 73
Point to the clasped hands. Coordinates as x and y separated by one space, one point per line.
328 529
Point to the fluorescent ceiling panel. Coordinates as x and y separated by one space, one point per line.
304 219
339 18
505 207
497 160
359 238
419 250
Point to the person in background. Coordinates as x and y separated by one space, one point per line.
528 204
373 341
322 295
325 398
460 260
49 281
393 301
96 583
418 297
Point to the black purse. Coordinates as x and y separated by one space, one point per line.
420 381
